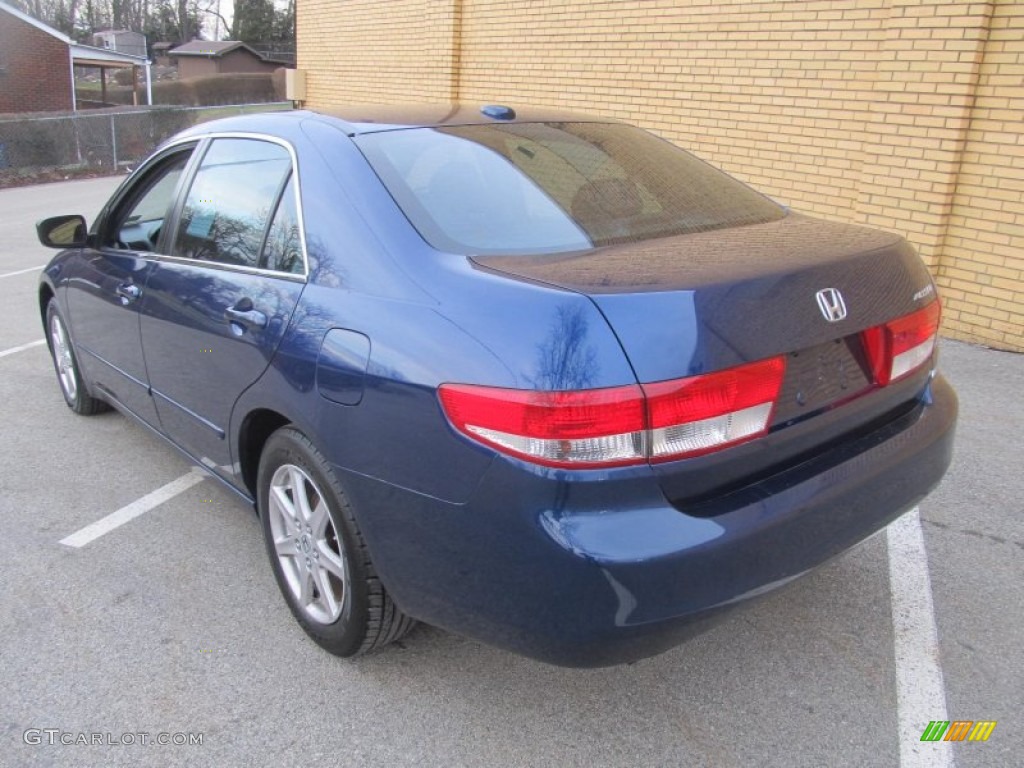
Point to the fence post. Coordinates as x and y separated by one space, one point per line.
78 139
113 140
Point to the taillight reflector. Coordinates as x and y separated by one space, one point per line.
621 425
903 345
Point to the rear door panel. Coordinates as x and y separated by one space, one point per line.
199 361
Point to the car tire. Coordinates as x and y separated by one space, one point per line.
317 552
65 363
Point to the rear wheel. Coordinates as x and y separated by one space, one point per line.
66 365
318 555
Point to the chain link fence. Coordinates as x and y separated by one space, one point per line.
282 52
100 140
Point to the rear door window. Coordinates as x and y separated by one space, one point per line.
283 249
230 202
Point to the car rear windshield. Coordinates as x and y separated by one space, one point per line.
523 188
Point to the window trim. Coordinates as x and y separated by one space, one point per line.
199 153
278 199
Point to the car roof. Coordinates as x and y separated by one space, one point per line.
373 118
355 120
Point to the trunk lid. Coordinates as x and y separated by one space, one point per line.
692 304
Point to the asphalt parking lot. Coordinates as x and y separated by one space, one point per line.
172 623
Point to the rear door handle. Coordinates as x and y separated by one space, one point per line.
243 314
128 292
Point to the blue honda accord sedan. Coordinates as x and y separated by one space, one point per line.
541 379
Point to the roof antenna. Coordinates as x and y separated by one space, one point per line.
498 112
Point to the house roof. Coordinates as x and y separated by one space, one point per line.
118 32
85 55
214 49
211 48
88 55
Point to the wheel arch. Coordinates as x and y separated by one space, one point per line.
46 294
257 426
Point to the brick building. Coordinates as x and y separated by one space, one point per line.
37 64
903 114
35 68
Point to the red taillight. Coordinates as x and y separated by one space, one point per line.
691 416
559 429
903 345
621 425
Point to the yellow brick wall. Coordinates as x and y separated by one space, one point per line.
889 112
760 89
981 274
920 101
372 51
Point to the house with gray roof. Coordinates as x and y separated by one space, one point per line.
205 57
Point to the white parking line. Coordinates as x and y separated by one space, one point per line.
23 347
920 693
131 511
22 271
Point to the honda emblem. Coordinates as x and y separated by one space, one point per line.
831 304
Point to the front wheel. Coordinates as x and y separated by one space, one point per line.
318 555
66 365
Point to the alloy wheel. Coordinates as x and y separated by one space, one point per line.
63 358
306 544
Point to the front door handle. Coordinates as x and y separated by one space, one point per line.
243 314
128 292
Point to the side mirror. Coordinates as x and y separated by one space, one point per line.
62 231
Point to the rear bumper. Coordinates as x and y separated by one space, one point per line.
597 568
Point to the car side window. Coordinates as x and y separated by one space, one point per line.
231 199
283 249
137 224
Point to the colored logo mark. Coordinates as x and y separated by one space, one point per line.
958 730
